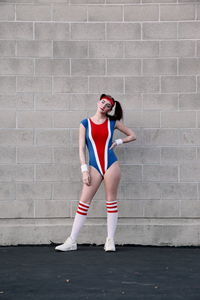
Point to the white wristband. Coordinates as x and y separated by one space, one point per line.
84 168
119 141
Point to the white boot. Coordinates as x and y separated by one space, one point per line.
109 245
68 245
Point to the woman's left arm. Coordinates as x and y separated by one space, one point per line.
131 136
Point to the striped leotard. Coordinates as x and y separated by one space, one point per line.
99 140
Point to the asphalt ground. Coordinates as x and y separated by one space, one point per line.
132 272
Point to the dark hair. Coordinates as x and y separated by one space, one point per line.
118 114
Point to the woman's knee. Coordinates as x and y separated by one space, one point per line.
88 192
86 197
86 201
111 198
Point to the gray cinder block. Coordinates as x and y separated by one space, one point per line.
56 58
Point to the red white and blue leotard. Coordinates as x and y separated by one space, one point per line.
99 140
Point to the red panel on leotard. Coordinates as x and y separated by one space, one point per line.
100 134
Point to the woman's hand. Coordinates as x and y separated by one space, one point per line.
113 145
86 177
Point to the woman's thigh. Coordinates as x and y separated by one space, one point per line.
88 191
111 181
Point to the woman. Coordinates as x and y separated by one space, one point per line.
97 133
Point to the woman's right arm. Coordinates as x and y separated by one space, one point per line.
82 154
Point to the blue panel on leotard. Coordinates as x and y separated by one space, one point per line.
111 154
92 159
85 123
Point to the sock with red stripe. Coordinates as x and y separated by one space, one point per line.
79 220
112 217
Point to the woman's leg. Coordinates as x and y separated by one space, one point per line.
111 181
87 194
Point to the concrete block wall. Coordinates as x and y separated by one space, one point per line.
56 58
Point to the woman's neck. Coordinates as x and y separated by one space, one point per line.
99 116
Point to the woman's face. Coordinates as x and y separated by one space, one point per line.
104 106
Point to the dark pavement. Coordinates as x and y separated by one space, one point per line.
132 272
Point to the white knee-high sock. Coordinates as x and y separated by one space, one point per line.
79 220
112 217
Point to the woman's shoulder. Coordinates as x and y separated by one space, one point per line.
117 123
112 123
84 122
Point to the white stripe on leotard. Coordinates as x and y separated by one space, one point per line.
94 146
106 147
